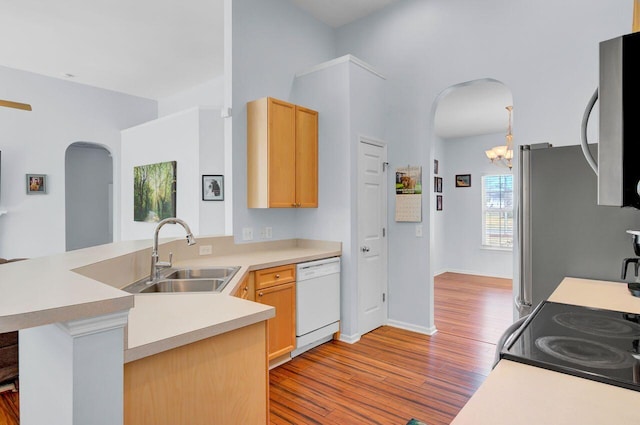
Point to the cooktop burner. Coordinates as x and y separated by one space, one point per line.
596 344
599 325
584 352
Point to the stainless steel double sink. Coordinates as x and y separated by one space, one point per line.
205 279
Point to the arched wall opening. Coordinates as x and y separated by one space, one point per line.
88 195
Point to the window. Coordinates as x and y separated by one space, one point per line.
497 211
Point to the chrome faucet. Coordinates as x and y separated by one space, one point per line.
156 265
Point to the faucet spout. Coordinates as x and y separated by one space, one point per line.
157 265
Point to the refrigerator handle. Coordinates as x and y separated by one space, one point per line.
523 301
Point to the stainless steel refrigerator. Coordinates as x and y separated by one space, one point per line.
561 230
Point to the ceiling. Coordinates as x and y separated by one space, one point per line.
156 48
147 48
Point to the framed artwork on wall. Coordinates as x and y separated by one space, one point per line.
37 184
463 180
438 202
212 188
154 191
437 184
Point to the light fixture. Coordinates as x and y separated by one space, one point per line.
503 155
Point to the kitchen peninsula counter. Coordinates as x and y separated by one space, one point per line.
519 394
87 283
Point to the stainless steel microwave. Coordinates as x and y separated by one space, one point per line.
619 138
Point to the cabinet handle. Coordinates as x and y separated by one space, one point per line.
260 294
245 289
277 276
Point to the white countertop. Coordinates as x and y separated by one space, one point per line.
86 283
518 394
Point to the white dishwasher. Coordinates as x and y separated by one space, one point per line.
317 303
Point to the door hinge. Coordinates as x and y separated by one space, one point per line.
384 166
384 296
384 232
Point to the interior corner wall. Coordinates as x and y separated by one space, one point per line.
462 208
439 255
172 138
36 142
207 94
212 216
272 41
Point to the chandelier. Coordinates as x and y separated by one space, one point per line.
503 155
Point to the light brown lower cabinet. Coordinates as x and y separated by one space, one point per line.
220 380
276 286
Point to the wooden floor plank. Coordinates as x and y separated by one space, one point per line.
393 375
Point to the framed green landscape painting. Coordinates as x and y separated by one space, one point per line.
154 191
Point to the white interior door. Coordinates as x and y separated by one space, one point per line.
372 242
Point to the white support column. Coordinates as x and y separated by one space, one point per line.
72 373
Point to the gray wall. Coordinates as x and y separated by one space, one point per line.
88 196
272 41
546 53
35 143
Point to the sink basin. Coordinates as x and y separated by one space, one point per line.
203 273
204 279
186 285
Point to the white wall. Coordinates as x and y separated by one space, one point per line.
210 93
546 52
462 208
272 41
35 142
176 137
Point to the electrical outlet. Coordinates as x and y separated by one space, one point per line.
418 230
247 233
205 249
268 232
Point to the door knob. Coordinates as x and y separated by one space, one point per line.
364 249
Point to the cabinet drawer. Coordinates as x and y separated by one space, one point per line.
275 276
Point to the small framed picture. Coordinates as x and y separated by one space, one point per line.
36 184
212 188
463 180
438 202
437 184
435 166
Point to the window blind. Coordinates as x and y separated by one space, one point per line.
497 211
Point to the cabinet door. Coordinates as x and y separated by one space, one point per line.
281 154
282 327
306 158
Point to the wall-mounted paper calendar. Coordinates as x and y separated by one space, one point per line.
409 194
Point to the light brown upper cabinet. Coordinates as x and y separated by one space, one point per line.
282 155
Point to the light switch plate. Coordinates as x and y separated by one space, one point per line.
418 230
247 233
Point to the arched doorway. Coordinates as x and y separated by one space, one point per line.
88 195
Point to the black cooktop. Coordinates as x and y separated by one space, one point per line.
596 344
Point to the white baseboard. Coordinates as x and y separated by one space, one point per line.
411 327
350 339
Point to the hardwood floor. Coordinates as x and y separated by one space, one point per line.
391 375
9 408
